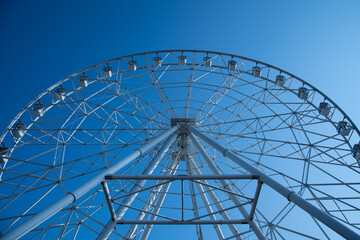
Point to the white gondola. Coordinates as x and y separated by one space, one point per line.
324 108
60 94
157 61
38 110
256 71
232 65
356 151
207 61
303 93
4 154
19 130
182 60
132 65
84 81
280 80
108 71
343 128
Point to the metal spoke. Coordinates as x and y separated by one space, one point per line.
84 125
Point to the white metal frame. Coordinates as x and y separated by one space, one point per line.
91 130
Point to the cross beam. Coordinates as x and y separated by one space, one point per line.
180 177
71 197
323 217
193 222
198 178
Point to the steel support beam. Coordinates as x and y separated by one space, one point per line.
143 189
71 197
207 207
215 200
256 199
182 177
227 186
291 196
160 201
109 228
193 199
152 198
108 199
194 222
222 189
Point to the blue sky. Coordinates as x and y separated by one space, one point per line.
44 41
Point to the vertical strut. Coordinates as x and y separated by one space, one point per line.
138 186
182 200
291 196
227 186
256 198
216 201
108 199
193 198
30 224
152 198
160 201
217 228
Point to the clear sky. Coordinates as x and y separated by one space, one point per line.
42 42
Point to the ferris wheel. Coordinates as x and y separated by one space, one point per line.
184 142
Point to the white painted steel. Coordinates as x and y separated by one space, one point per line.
290 195
214 199
159 194
77 193
138 186
109 110
228 186
160 201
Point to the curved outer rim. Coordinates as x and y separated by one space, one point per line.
178 50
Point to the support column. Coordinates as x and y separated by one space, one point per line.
291 196
152 198
138 186
71 197
160 201
227 186
216 201
193 198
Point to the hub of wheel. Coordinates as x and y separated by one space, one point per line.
184 136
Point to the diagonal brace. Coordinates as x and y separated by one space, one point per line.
323 217
71 197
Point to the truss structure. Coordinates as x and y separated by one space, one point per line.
206 144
